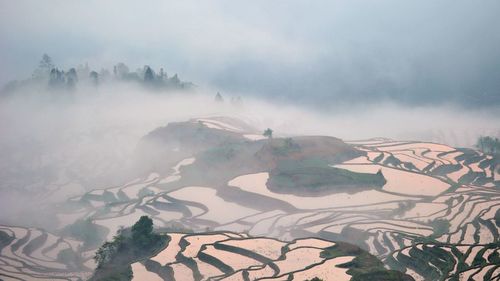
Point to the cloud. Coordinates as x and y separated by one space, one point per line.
411 52
89 138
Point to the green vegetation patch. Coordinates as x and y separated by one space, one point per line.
114 257
314 176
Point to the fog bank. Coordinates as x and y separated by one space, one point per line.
418 52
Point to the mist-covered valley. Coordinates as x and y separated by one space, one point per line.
91 134
249 141
107 154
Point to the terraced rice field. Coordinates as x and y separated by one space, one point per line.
33 254
230 256
404 223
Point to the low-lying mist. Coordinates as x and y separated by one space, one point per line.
90 135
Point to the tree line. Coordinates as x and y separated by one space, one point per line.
55 78
489 145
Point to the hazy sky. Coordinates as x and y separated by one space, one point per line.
313 51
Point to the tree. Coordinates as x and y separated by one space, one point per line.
218 97
94 78
104 254
148 74
46 62
162 75
142 232
175 80
44 67
488 145
268 133
120 70
71 78
108 250
56 78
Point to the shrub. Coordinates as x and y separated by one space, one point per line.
142 232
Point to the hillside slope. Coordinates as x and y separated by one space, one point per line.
233 256
426 209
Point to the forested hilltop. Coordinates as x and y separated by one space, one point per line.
48 76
